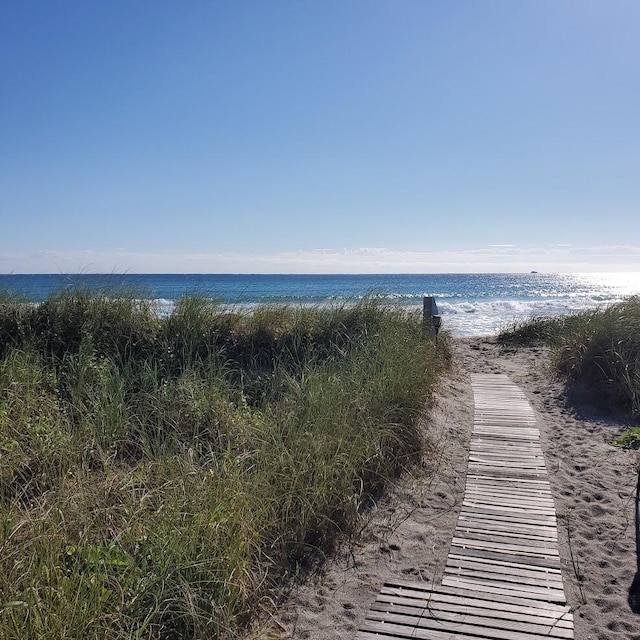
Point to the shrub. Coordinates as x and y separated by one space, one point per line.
164 477
628 439
600 348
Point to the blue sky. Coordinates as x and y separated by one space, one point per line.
319 136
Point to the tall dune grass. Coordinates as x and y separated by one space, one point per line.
164 477
600 348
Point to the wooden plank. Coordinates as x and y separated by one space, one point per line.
532 537
464 607
548 535
522 557
507 463
500 444
526 557
535 496
508 506
476 533
478 485
483 457
497 510
470 622
531 484
498 439
500 528
499 472
504 588
402 632
517 456
490 513
437 600
502 579
430 629
493 522
515 463
507 467
505 543
503 428
517 426
487 618
487 491
472 595
528 437
539 575
511 545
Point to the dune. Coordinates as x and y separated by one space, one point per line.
408 533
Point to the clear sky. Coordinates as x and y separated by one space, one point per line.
319 135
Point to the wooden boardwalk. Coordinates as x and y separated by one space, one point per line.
502 578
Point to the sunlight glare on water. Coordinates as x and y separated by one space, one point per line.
470 304
610 285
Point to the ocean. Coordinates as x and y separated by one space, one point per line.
470 304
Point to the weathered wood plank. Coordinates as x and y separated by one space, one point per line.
508 506
508 555
423 589
502 579
467 623
488 491
487 514
504 588
430 629
504 559
437 601
506 544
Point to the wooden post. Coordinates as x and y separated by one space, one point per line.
429 312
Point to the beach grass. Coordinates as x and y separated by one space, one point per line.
600 348
167 477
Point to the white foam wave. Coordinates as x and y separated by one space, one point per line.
163 307
488 317
464 317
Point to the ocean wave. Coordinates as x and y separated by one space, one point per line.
163 307
464 317
546 306
473 318
376 296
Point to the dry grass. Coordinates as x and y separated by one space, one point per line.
600 348
163 478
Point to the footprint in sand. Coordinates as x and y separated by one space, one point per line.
598 511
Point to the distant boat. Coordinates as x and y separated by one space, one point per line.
534 272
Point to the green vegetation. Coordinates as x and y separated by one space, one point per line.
600 348
165 477
628 439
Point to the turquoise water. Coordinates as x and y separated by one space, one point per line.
470 304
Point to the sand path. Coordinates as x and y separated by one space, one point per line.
408 534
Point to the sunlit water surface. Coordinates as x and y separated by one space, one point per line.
470 304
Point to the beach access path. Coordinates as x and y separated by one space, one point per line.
407 535
502 578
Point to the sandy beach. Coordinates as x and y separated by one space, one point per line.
407 534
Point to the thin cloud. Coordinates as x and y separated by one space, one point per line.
502 258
